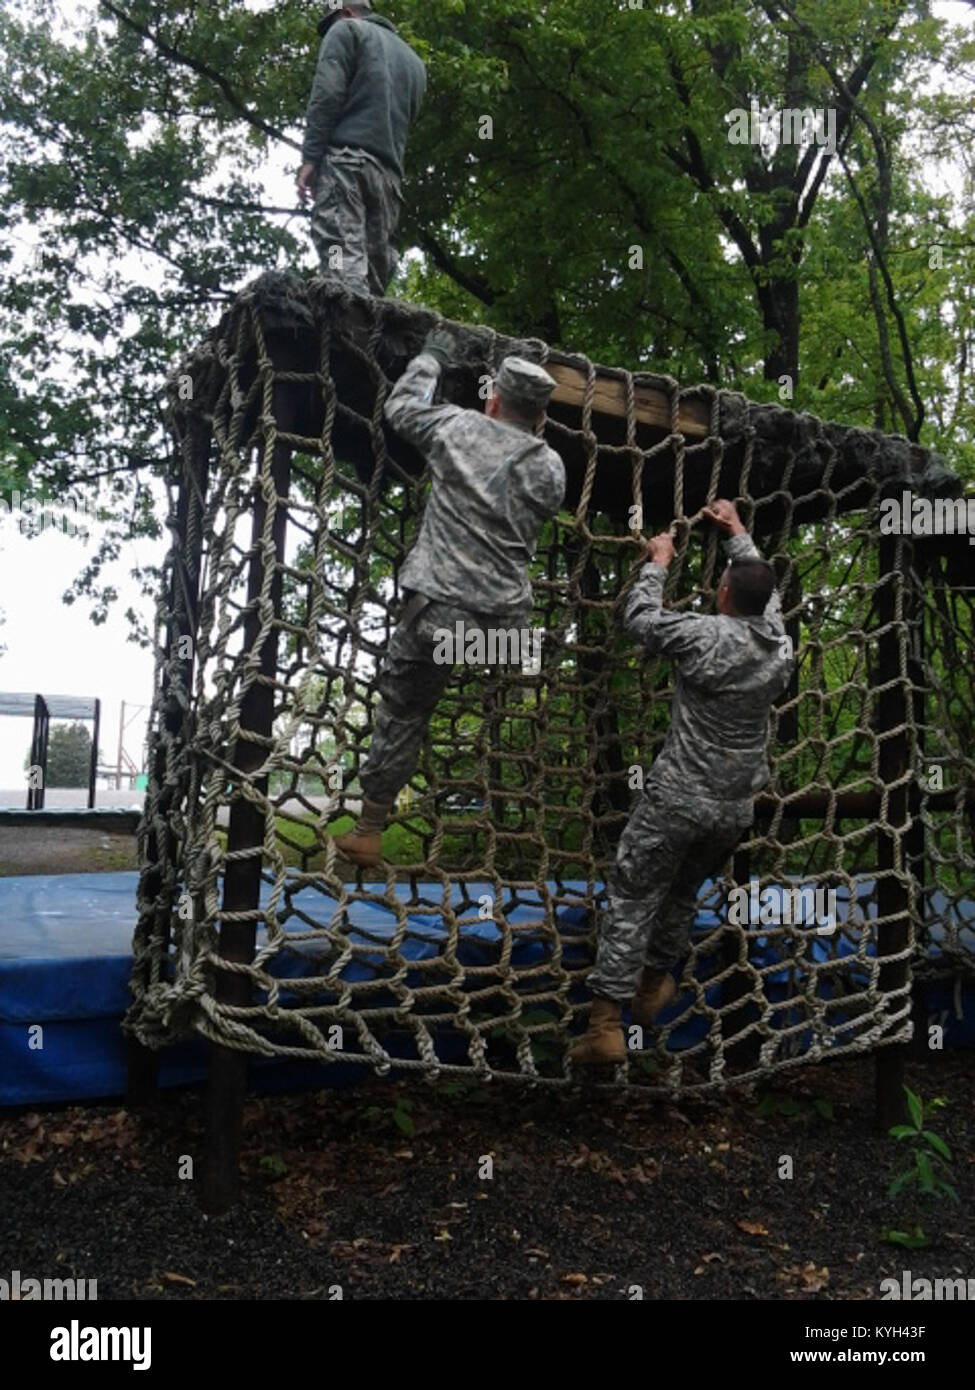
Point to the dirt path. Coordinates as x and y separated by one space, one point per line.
27 850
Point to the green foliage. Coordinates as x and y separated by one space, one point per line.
399 1115
772 1105
650 1067
402 1116
930 1163
470 1092
543 1044
136 143
272 1167
68 756
401 844
914 1239
136 140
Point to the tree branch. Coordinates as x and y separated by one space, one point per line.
848 89
694 166
883 340
235 102
474 284
913 427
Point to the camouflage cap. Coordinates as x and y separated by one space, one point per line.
524 383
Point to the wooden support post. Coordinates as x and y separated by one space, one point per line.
918 1049
227 1079
93 765
38 754
894 602
857 805
143 1062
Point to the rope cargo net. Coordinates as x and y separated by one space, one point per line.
292 509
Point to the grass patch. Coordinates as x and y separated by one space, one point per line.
463 849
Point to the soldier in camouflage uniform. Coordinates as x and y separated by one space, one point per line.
697 800
494 482
367 93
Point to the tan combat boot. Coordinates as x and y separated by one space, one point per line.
603 1040
364 844
657 990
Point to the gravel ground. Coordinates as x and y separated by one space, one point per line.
67 850
380 1190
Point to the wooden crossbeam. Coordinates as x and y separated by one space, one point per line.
857 805
651 405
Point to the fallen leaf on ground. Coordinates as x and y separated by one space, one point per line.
814 1279
808 1277
752 1228
171 1278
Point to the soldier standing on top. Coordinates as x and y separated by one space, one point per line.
697 800
494 482
367 93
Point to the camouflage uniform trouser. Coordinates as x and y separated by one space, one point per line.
410 685
353 220
665 853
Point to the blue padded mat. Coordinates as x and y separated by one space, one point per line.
85 922
65 957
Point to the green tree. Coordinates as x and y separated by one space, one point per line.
68 756
571 176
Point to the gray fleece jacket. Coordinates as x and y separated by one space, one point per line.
367 92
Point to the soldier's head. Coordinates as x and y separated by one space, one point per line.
336 9
745 589
521 394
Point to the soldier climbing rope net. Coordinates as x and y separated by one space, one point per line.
292 511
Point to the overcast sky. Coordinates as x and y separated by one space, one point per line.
55 649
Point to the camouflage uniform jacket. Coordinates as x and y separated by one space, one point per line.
728 672
493 485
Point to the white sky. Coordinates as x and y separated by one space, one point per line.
55 649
